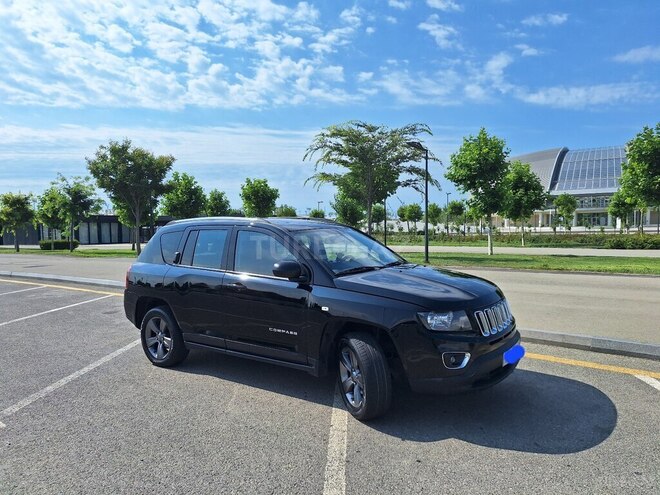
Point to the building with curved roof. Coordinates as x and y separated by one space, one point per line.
592 175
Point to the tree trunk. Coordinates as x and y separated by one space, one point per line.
16 246
71 237
369 206
138 221
523 236
490 235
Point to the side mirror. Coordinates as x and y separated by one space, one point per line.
287 269
177 258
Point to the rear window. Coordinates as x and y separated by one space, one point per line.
161 249
168 245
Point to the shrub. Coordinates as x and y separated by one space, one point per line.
633 242
57 245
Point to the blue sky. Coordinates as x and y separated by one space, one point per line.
238 88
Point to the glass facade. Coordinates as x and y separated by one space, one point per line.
592 168
593 202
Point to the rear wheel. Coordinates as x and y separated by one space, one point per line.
161 337
364 377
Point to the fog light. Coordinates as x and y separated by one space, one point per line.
455 360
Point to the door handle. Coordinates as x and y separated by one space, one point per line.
237 286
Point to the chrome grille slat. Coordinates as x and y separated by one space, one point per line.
494 319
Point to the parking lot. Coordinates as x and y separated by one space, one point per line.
83 411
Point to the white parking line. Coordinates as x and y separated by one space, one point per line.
651 381
21 290
52 310
60 383
334 482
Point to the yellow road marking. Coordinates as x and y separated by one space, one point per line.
60 287
589 364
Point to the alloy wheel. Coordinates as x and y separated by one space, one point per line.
352 381
158 338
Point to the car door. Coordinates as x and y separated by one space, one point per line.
196 282
265 315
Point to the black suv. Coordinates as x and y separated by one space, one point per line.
321 297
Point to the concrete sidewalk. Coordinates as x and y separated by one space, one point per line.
606 313
626 253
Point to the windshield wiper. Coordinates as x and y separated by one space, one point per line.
357 269
394 263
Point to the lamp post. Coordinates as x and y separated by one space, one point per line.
318 205
417 145
447 207
385 230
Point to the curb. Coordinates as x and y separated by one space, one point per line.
64 278
593 344
574 341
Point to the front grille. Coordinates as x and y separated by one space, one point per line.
494 319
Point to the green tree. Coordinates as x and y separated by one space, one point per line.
414 213
132 177
349 211
317 213
285 211
621 207
184 198
236 212
258 198
479 168
16 213
217 204
375 159
525 194
51 211
640 177
378 214
402 214
80 201
435 214
566 206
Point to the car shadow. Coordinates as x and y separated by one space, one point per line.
528 412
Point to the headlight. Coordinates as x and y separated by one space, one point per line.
451 321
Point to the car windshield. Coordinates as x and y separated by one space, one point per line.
346 251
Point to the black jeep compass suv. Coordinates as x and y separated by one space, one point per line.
321 297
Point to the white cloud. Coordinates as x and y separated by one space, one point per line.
370 30
545 20
365 76
528 51
399 4
229 54
391 19
578 97
647 53
445 5
444 35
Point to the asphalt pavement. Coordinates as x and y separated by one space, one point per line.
83 411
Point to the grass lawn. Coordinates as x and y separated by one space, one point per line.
603 264
77 253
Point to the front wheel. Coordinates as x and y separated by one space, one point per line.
364 377
162 341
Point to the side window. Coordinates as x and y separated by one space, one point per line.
257 252
209 248
168 245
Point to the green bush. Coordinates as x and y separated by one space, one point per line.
57 245
633 242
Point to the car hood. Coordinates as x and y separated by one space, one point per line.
429 287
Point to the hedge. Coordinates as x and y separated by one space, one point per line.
59 244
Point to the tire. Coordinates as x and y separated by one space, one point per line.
363 375
158 332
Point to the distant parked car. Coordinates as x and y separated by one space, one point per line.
320 297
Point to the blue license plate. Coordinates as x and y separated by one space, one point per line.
514 354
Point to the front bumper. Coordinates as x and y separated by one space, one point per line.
485 368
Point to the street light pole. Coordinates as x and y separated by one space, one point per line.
318 205
417 145
447 223
385 231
